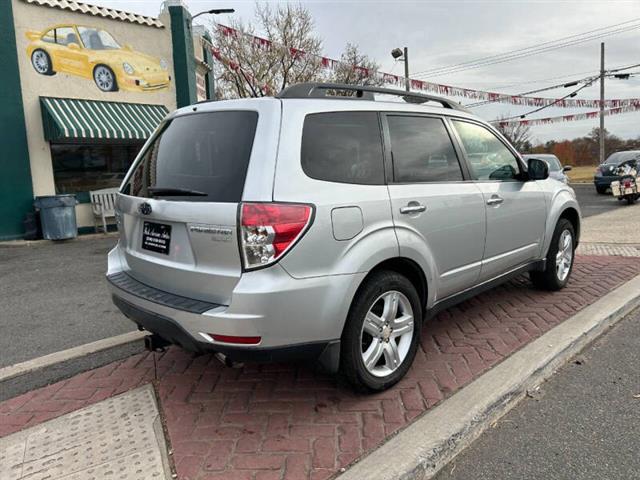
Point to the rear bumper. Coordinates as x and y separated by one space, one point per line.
294 318
174 333
604 181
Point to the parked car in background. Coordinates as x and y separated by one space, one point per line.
327 227
556 170
608 171
93 53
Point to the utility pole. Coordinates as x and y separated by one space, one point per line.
407 84
602 152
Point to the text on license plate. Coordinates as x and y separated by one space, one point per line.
156 237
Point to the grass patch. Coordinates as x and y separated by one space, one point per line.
581 174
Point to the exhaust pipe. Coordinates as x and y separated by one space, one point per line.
155 343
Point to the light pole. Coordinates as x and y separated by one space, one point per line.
214 11
209 79
403 56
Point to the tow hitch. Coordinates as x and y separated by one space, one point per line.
155 343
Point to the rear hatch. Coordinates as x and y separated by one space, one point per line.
178 206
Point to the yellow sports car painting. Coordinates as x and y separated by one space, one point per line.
94 54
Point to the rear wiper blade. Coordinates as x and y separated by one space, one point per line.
175 192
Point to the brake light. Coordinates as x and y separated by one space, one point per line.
234 339
268 230
627 184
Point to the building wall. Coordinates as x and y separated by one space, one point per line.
149 40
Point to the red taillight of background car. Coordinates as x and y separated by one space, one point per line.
268 230
627 183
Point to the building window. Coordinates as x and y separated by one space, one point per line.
81 168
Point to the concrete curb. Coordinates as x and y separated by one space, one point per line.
429 443
45 361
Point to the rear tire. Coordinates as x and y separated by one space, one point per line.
601 190
374 357
560 258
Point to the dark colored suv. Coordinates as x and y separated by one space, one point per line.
607 172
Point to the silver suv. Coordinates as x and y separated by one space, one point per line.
327 224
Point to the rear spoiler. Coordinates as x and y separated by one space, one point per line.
33 34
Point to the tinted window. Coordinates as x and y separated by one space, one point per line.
343 147
422 150
205 152
489 158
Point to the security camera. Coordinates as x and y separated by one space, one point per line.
396 53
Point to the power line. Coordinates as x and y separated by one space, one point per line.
572 94
529 51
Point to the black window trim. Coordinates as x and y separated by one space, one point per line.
382 144
500 138
389 171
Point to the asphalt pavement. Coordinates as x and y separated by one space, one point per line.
582 424
593 203
53 296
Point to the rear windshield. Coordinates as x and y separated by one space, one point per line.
619 157
200 157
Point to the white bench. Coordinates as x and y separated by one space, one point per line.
103 204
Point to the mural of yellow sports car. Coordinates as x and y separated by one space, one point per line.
93 53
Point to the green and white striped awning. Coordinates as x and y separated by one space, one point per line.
75 119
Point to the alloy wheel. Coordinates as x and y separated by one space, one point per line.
40 61
564 257
386 333
104 78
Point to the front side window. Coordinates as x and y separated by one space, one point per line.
488 157
199 157
422 150
343 147
66 36
95 39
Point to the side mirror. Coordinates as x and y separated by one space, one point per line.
537 169
73 46
567 168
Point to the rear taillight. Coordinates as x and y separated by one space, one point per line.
268 230
627 184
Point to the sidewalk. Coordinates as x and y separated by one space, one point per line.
288 422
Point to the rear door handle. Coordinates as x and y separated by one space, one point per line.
413 207
495 200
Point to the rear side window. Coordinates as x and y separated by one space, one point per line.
343 147
198 157
422 150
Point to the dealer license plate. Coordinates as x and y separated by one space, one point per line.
156 237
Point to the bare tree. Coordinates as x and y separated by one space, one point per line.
290 53
356 68
251 68
517 133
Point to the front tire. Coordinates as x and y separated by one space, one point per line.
105 78
560 258
382 332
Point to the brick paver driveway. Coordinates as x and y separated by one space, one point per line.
289 422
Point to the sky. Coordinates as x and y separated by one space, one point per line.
442 33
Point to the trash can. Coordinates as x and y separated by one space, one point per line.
57 216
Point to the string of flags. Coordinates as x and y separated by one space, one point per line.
568 118
614 105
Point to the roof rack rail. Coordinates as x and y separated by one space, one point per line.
320 90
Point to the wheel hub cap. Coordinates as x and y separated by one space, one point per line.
564 257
